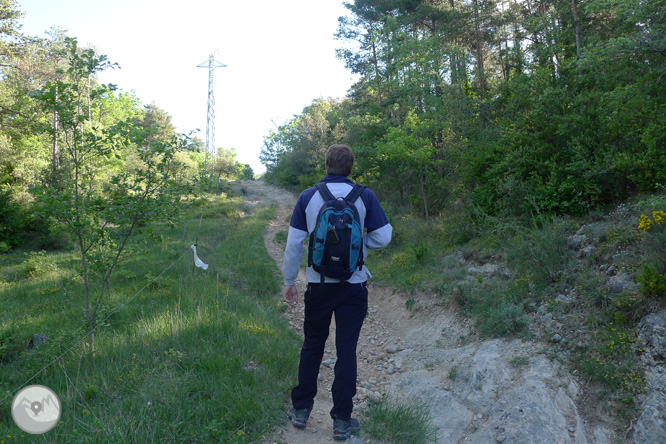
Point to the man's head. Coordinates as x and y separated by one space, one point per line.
339 160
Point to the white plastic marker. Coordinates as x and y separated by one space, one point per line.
198 261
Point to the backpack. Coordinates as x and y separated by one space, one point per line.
336 244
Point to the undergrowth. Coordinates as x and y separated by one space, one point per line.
184 356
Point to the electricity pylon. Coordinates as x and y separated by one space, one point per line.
210 119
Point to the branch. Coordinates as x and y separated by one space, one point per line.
109 271
12 111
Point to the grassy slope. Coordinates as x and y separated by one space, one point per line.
195 357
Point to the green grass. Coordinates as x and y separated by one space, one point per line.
409 263
196 356
498 310
420 258
399 421
518 362
281 237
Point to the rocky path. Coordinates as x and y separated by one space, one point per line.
482 392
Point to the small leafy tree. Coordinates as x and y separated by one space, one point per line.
407 153
99 211
225 164
248 172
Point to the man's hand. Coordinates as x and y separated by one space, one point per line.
290 294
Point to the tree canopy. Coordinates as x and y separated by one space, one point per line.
517 107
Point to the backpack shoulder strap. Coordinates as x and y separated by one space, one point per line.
324 191
354 194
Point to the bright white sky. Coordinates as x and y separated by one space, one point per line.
280 55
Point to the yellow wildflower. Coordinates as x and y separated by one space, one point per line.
659 217
644 223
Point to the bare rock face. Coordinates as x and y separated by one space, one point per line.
652 336
621 282
449 416
492 401
577 241
650 427
530 410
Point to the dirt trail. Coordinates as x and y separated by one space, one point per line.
388 322
476 392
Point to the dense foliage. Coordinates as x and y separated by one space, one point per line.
515 108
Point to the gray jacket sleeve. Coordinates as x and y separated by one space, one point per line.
293 253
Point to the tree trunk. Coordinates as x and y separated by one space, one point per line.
479 51
577 27
455 75
425 198
517 42
55 131
91 333
86 290
378 79
551 32
89 107
502 62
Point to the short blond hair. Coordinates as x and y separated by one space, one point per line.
339 160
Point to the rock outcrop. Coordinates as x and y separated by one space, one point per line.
650 427
499 392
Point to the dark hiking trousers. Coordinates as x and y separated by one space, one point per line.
349 302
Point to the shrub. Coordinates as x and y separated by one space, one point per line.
496 313
503 319
39 264
420 252
654 228
609 360
652 282
540 254
8 346
645 223
627 309
466 222
13 220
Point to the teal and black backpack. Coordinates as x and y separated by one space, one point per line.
336 244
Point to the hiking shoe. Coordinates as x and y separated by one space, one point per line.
343 428
298 417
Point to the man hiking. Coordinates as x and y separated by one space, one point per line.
343 221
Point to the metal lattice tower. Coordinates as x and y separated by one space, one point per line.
210 120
